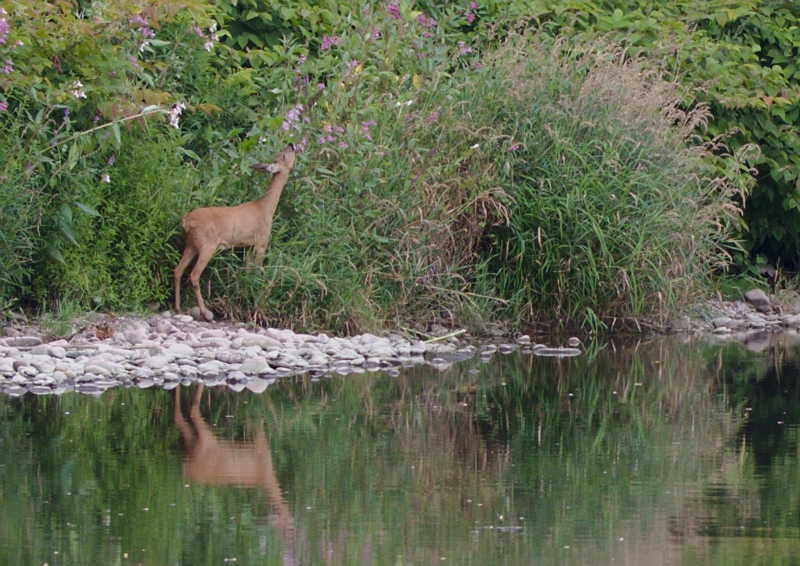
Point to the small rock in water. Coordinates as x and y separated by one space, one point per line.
524 339
758 299
573 342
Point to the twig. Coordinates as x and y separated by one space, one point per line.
446 336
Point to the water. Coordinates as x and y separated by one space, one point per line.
636 453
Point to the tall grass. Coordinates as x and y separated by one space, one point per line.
545 181
616 215
540 180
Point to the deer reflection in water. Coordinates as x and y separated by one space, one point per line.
213 461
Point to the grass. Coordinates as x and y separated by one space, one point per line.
543 181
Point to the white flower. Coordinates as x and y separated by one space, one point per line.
409 103
476 146
105 179
174 113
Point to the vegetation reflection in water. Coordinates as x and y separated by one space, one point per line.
642 453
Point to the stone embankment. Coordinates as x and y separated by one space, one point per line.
168 350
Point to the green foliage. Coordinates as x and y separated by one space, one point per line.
616 213
406 198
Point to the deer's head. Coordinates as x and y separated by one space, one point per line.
283 163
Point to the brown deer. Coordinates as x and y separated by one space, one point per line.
211 461
222 227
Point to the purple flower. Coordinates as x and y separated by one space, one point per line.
463 48
198 31
148 33
473 6
366 126
139 19
4 29
95 120
66 112
328 42
470 17
208 46
331 138
3 106
286 126
9 68
301 59
343 145
321 86
433 117
394 10
328 129
293 115
111 161
514 146
376 33
322 140
349 67
426 21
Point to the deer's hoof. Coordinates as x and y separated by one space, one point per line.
201 315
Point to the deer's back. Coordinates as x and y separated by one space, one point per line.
242 225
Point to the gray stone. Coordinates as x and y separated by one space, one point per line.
524 339
257 365
758 299
212 368
137 335
23 341
259 340
723 321
156 362
230 356
181 350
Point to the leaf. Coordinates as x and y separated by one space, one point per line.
66 212
117 134
55 254
87 209
74 155
68 230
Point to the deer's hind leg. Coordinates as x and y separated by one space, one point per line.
203 257
189 253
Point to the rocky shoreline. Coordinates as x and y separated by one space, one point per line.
170 349
167 350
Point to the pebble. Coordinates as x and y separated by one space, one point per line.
166 350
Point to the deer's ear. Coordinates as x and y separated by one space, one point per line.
263 167
294 148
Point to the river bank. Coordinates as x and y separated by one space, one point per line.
164 350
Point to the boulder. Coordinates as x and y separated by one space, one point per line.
758 299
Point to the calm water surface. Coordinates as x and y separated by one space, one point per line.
652 452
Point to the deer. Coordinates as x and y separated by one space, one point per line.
223 227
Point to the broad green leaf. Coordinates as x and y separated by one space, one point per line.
87 209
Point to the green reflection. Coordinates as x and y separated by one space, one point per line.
686 452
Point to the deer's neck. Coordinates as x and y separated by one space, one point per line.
269 202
